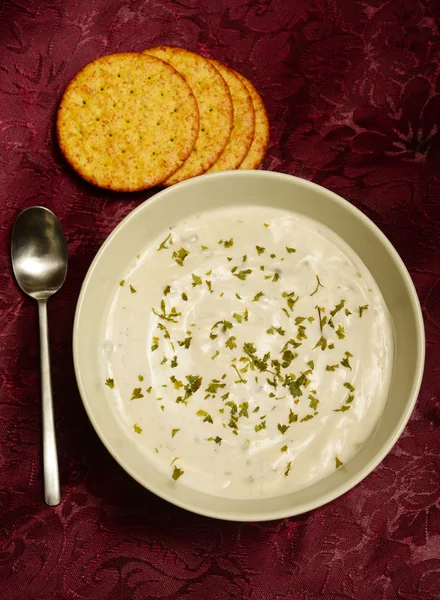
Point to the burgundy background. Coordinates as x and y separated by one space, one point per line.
353 94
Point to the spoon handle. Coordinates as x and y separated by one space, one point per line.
50 458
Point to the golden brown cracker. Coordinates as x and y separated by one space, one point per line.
127 121
215 108
260 142
244 122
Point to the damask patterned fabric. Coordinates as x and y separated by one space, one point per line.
352 89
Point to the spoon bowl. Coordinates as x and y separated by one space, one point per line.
39 262
39 252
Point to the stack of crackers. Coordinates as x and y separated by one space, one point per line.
131 121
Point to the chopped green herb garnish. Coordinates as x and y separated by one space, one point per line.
283 449
266 224
177 473
196 280
337 308
260 250
349 386
132 289
257 296
331 367
311 364
149 390
238 296
164 360
137 429
240 378
282 428
215 355
204 247
347 312
180 256
227 243
231 343
206 416
331 346
174 431
301 334
217 440
243 274
287 471
174 362
260 426
322 343
275 277
345 362
186 343
306 418
172 316
176 382
214 386
318 285
110 382
166 290
290 250
272 255
293 417
340 332
136 394
163 246
313 402
184 297
338 462
225 325
240 317
122 282
155 344
362 309
140 377
209 285
290 298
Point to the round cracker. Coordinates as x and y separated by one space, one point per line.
215 108
260 142
244 122
127 121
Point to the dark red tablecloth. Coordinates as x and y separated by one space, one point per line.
352 89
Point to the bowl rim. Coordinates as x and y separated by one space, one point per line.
378 457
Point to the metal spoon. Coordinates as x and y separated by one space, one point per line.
39 261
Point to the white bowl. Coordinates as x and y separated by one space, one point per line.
257 188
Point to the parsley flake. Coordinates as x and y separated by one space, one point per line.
362 309
110 383
177 473
163 246
257 296
136 394
318 285
243 274
216 439
180 256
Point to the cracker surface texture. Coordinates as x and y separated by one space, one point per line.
260 142
215 108
244 122
127 121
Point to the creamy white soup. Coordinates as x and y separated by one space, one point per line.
248 352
